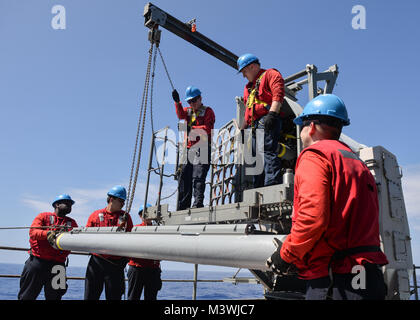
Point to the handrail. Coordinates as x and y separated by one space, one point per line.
415 285
163 280
194 281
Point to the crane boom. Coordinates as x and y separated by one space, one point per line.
153 17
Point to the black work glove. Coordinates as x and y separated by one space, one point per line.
270 120
175 96
51 237
277 264
123 223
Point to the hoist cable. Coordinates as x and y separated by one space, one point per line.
166 69
151 104
135 165
173 88
140 130
140 142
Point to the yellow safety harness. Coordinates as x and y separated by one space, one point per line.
193 115
250 103
252 98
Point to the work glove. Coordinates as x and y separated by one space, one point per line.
123 223
270 120
277 264
51 237
175 96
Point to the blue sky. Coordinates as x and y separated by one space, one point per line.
69 98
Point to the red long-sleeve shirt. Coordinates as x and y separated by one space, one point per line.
104 218
143 263
335 208
40 246
271 89
204 120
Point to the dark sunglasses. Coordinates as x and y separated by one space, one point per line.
307 123
193 100
119 200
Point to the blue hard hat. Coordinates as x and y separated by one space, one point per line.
118 192
63 197
325 105
192 92
245 60
148 205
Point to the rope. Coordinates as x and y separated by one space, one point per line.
166 69
27 249
18 228
167 197
173 88
151 104
40 227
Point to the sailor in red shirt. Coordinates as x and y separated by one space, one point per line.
200 122
108 269
143 273
38 270
263 98
335 222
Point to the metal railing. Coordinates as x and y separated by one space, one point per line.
234 280
195 280
415 285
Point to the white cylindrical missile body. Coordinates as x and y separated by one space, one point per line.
233 249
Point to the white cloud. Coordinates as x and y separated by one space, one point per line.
88 200
39 206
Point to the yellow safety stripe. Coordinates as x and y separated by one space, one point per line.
57 241
283 151
289 136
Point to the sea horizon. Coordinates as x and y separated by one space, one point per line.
9 287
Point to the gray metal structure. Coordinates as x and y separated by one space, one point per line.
233 205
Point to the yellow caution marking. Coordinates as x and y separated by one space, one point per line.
57 241
283 150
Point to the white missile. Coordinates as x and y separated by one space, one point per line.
219 245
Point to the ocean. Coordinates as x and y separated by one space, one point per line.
9 287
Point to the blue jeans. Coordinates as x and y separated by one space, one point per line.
272 163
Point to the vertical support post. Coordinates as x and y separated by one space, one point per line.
182 154
161 172
416 292
330 83
299 142
312 81
149 169
194 296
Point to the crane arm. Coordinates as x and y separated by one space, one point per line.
153 16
